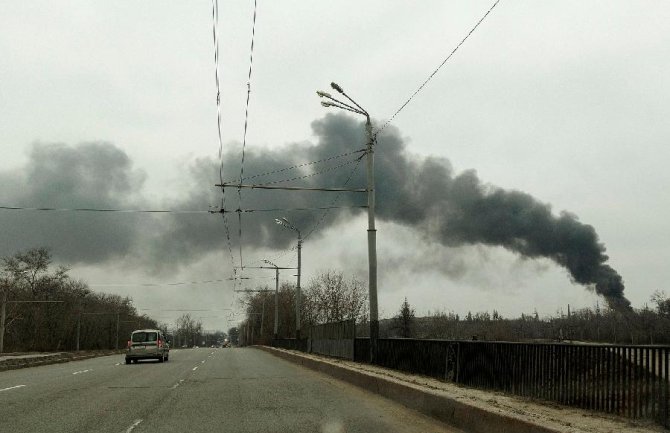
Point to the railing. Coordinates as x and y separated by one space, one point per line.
630 381
333 339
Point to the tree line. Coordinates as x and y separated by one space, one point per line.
47 310
647 325
329 297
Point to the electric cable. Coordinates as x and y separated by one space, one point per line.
83 209
436 69
305 164
246 125
215 26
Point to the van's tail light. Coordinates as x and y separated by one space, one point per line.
130 343
160 343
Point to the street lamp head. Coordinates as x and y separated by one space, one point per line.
336 87
327 104
323 94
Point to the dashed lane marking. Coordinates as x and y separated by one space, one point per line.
177 384
195 368
12 387
81 371
202 362
133 425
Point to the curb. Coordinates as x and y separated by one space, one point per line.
14 364
429 402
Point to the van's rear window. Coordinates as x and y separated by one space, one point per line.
143 337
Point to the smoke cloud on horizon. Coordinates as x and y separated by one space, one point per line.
423 193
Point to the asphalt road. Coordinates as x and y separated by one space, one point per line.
197 390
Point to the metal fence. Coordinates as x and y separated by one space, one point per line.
630 381
334 339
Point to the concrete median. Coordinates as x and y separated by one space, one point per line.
15 361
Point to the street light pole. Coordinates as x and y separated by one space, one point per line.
3 317
276 327
78 329
372 231
285 223
116 346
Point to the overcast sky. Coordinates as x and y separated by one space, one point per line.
114 105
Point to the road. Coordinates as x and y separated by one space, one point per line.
197 390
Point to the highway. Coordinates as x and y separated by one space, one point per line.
197 390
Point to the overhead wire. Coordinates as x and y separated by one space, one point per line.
215 26
317 173
246 125
304 164
83 209
334 202
430 77
180 283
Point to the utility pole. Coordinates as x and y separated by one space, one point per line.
286 224
298 291
263 317
116 346
372 231
78 329
276 328
372 242
276 268
3 317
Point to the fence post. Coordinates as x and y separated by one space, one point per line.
458 362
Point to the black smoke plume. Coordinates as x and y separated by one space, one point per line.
422 193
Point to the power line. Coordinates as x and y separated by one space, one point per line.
298 209
436 69
246 125
53 209
305 164
215 26
181 283
334 202
326 170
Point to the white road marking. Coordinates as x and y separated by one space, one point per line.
11 387
133 425
203 361
81 371
118 363
195 368
177 384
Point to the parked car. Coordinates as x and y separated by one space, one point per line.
147 344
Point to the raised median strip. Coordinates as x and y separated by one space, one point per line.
471 410
12 362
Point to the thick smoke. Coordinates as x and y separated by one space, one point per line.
92 175
422 193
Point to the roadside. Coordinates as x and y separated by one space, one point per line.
12 361
471 409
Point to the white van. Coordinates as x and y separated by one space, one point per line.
147 344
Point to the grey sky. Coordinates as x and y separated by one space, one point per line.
566 101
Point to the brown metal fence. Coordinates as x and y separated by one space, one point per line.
334 339
630 381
